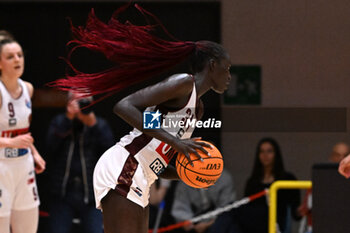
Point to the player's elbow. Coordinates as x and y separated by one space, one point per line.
121 107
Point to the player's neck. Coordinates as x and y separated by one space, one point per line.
11 84
203 84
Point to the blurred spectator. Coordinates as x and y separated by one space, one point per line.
158 191
268 168
75 141
161 197
339 151
190 202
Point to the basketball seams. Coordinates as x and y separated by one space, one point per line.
196 176
185 167
178 169
184 157
197 186
209 158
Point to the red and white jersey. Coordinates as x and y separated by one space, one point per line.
15 117
152 154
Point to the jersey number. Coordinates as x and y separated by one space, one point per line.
11 110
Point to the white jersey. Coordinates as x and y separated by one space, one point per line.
154 155
15 118
134 163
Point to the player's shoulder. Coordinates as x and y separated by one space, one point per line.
182 81
181 77
29 87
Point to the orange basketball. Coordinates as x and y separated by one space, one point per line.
202 174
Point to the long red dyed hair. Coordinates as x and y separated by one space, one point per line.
137 53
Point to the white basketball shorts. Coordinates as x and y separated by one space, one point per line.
117 169
18 190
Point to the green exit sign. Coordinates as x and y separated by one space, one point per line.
245 86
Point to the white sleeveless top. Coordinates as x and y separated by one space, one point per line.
154 155
15 117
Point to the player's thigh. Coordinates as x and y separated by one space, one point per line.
8 186
26 196
25 221
5 224
121 215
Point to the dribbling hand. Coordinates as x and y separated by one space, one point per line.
190 146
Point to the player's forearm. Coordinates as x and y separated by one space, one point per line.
170 173
33 149
4 142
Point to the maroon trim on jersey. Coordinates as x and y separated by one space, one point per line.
138 143
131 164
125 177
14 132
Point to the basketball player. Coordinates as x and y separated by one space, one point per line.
125 172
19 199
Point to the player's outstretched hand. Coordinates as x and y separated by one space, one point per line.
344 167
